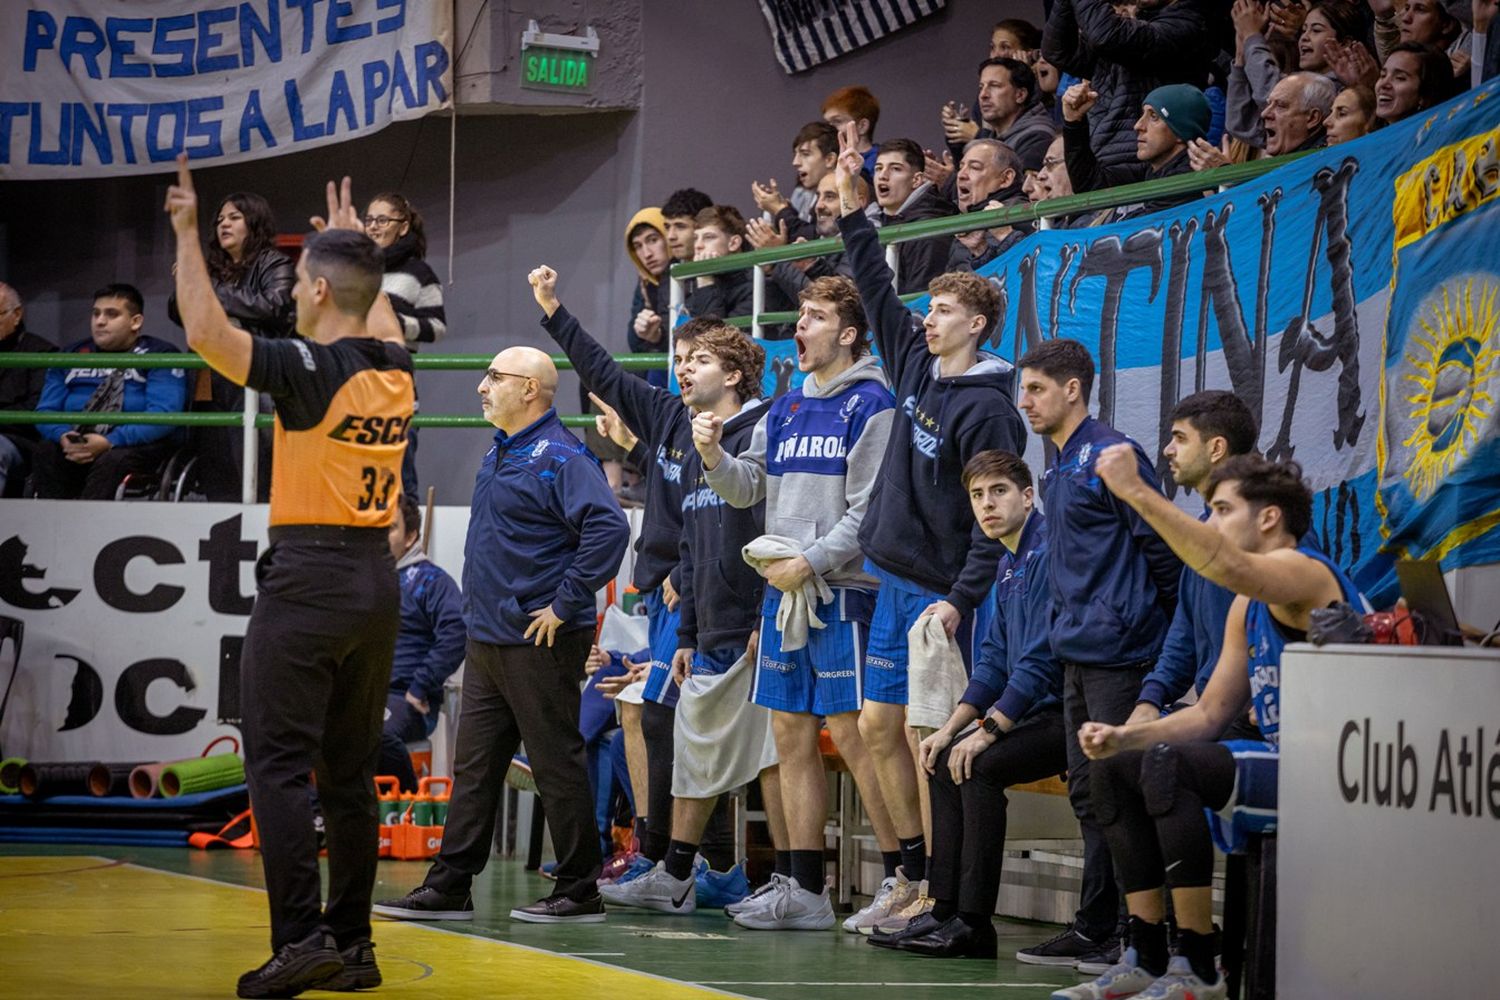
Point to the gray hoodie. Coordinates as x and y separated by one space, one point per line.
814 457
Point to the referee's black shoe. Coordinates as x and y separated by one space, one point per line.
426 903
301 965
953 939
360 971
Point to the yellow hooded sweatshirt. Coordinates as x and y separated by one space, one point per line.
653 218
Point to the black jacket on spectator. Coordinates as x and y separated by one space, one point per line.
259 300
20 388
1089 174
415 292
921 260
1126 58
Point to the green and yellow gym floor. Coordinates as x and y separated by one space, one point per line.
133 923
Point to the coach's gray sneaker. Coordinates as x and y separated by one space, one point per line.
792 909
426 903
655 890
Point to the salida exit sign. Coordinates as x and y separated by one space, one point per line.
555 69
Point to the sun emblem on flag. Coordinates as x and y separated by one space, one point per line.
1451 357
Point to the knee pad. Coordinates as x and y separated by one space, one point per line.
1159 779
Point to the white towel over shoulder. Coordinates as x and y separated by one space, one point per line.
798 611
935 676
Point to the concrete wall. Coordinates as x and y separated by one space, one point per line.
717 111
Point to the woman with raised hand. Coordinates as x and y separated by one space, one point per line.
253 282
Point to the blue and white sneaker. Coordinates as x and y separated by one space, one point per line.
639 865
717 890
1181 983
655 890
1126 979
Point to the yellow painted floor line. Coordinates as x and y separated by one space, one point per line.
92 927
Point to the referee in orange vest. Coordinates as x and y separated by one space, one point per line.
317 656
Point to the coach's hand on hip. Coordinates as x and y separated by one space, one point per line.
544 625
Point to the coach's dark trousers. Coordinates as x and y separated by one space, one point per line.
1095 694
313 677
513 694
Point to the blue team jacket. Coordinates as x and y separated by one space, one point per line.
1193 641
430 645
147 390
1016 671
544 529
1113 580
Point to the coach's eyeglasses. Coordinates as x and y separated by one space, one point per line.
381 221
491 375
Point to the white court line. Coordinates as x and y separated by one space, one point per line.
592 954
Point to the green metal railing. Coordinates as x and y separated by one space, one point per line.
1040 214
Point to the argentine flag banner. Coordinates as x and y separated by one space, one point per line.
1351 297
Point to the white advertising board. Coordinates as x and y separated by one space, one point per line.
1389 841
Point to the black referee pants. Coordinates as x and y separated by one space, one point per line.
313 677
513 694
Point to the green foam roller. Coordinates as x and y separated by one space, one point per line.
10 775
201 774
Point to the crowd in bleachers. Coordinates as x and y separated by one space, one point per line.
253 279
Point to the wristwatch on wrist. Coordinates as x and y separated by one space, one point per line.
991 726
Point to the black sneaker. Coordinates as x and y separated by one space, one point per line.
1099 961
360 971
561 910
426 903
301 965
1064 948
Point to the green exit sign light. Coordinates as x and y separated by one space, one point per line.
555 69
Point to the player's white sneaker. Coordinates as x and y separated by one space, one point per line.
1181 983
655 890
908 900
1117 982
760 897
879 909
792 909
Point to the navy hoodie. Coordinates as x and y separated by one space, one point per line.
721 594
665 429
430 645
544 529
1114 581
1015 671
1193 641
920 526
